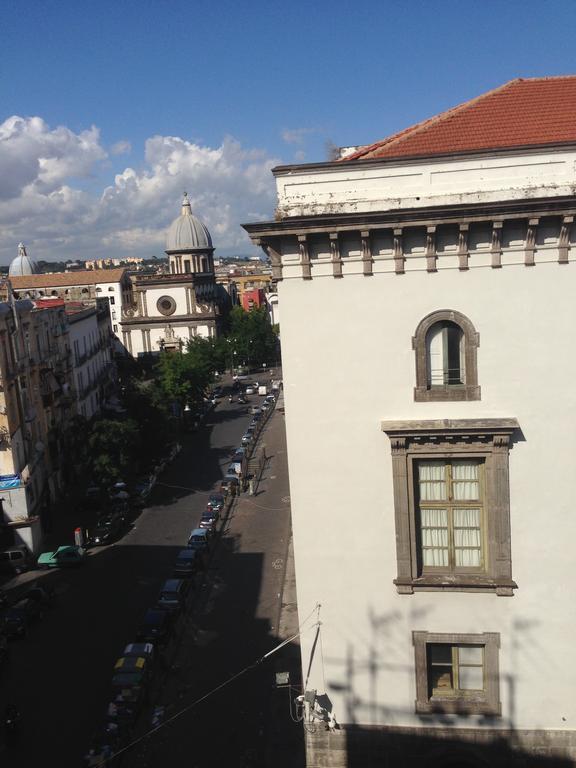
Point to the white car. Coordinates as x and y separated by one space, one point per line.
250 391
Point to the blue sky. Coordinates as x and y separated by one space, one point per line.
139 100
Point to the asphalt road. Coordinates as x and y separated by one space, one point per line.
59 674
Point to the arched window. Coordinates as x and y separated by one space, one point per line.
445 354
446 346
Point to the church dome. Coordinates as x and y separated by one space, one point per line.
22 264
187 233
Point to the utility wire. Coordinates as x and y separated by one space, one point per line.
193 704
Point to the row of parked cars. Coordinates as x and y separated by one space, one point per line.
235 473
136 668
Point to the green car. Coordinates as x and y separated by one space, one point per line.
63 556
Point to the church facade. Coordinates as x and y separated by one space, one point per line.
170 309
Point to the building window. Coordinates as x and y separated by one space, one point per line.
445 344
166 305
111 299
457 673
450 514
187 268
451 504
115 328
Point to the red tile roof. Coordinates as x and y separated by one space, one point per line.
521 113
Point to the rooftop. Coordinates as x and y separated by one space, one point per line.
521 113
61 279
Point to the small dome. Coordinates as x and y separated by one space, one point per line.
22 264
187 233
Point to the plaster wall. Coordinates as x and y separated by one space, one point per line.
390 185
178 293
348 366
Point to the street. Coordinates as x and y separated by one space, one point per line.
59 674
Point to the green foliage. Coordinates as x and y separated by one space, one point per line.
113 449
252 337
183 378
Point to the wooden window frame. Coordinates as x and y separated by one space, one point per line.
486 439
485 702
450 504
469 390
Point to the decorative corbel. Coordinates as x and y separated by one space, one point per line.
366 253
463 254
335 255
496 247
564 239
274 256
431 265
398 252
304 257
530 246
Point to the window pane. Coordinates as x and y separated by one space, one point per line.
452 338
435 355
467 538
434 533
432 480
471 678
440 653
465 480
471 654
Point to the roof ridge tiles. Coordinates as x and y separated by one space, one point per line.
474 127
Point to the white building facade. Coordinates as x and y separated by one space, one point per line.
429 298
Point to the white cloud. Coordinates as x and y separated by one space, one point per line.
42 204
121 148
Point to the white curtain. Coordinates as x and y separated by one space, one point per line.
432 477
435 355
465 480
434 531
467 538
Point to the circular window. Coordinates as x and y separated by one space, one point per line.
166 305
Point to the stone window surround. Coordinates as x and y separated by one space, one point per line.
486 704
489 439
447 392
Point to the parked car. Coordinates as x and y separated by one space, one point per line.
145 650
188 563
242 399
239 453
216 502
247 439
209 519
130 671
155 627
67 555
173 595
20 616
270 399
254 409
257 415
15 560
199 539
107 529
250 391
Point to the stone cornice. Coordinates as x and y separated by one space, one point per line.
413 217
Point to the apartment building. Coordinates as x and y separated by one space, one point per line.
430 461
